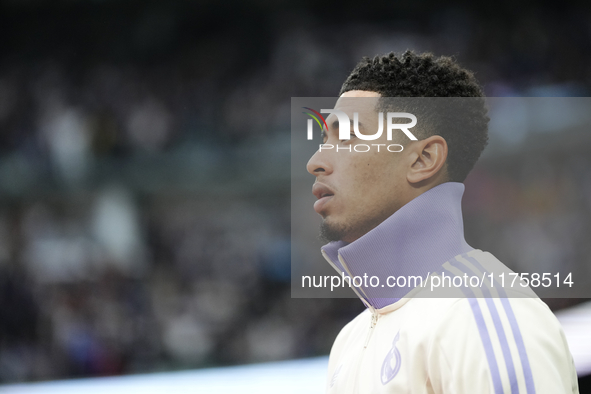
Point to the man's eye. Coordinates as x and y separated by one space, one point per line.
351 136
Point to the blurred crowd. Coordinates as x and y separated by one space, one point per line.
103 284
532 210
103 271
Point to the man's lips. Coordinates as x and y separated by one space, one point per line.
323 193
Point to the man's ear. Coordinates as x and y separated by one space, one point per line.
429 156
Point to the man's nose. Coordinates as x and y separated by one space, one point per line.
320 163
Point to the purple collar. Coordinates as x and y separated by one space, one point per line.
415 241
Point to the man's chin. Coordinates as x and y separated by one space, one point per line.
330 232
349 231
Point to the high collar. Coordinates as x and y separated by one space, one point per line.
415 241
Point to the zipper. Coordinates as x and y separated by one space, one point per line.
374 321
374 312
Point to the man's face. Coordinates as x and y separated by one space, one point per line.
356 191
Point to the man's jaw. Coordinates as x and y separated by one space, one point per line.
349 228
329 233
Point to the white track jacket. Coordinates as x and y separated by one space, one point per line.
495 341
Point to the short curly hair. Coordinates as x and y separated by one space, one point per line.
463 123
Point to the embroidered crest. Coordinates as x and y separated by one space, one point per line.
391 364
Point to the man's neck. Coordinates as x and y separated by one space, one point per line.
415 241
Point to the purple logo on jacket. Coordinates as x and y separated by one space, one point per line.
391 364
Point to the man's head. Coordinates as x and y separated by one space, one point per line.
362 189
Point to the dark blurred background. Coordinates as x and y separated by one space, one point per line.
144 168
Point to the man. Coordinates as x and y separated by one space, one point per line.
398 214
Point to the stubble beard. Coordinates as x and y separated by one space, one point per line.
330 233
351 230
